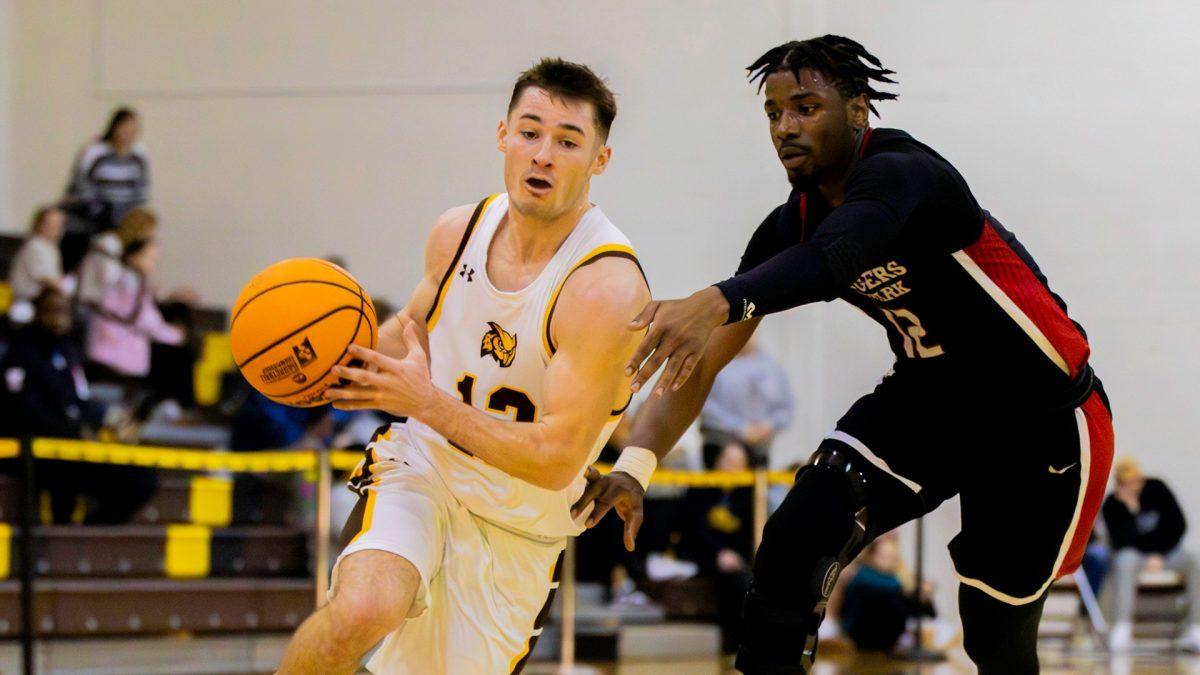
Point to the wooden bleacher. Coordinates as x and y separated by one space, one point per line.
180 568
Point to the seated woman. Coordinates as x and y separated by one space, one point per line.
125 323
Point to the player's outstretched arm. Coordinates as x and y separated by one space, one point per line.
657 427
440 248
584 382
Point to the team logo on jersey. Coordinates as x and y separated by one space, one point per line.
501 344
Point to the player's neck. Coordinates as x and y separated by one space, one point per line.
530 240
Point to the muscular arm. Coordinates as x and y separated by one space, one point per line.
882 194
662 419
583 382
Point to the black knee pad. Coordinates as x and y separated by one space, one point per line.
820 526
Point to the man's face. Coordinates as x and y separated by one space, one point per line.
812 126
54 314
551 151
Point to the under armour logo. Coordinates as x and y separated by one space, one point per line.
468 272
747 310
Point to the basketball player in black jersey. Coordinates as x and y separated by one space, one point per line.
991 396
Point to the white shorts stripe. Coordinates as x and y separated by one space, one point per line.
863 450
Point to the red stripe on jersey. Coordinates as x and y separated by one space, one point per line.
1100 442
1008 271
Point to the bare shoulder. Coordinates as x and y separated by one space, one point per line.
445 236
608 292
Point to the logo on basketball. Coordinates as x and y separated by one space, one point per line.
501 344
304 353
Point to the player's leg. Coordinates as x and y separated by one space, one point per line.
394 543
374 593
1000 638
1028 504
839 502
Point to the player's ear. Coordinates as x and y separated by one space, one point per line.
501 134
857 111
602 159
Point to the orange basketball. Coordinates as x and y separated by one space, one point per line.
293 323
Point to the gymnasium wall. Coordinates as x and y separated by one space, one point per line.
280 128
7 51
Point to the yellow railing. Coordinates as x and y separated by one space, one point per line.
295 461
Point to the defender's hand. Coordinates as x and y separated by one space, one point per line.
616 490
396 386
679 331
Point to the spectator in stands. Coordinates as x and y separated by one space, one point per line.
37 265
750 403
128 319
46 394
111 175
101 266
875 606
718 535
1145 529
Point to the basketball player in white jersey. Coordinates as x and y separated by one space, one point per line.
508 363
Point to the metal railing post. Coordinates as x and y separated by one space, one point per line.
29 502
760 504
321 546
566 661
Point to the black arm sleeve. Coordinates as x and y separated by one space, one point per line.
881 194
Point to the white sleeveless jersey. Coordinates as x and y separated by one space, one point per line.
491 348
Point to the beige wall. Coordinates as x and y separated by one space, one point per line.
7 70
280 128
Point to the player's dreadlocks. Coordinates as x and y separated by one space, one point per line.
838 58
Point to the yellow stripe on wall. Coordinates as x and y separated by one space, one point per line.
189 551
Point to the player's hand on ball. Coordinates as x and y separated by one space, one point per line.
396 386
679 332
618 490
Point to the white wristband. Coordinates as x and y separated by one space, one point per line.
637 462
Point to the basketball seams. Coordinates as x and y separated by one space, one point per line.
299 329
310 393
360 293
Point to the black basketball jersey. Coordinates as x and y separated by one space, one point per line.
961 300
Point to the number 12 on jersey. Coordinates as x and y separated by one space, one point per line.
913 333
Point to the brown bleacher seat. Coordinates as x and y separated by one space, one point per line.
125 551
83 607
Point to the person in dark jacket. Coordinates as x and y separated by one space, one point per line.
717 533
1146 528
45 394
876 606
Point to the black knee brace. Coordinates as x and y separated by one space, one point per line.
820 527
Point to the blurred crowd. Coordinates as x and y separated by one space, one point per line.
92 347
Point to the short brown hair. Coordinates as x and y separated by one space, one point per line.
571 81
138 223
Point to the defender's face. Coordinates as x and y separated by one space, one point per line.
812 126
551 151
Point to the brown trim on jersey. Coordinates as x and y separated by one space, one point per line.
585 263
540 621
462 246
